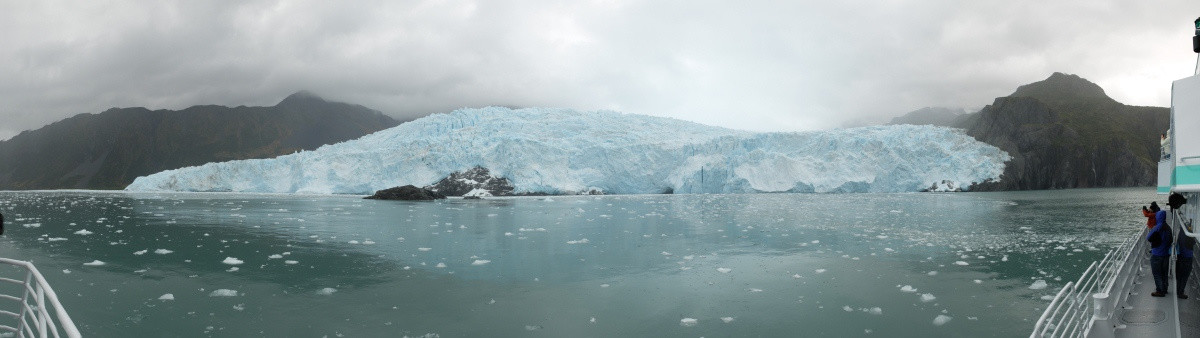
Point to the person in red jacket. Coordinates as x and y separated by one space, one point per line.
1149 213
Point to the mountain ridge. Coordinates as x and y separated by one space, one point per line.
1065 132
108 150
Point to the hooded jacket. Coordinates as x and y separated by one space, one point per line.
1161 229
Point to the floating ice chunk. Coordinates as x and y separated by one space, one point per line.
755 290
424 249
1047 297
876 311
140 252
326 291
440 265
941 320
83 232
797 276
932 273
1004 259
688 322
233 269
1038 285
232 261
353 242
162 251
978 281
581 241
56 239
275 256
724 270
166 296
239 307
223 293
290 262
727 320
820 270
908 288
961 263
847 308
94 263
533 327
368 242
480 262
927 297
32 225
66 271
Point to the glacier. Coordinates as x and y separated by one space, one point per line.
564 151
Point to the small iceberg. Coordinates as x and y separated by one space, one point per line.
223 293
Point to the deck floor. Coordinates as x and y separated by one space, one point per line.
1147 316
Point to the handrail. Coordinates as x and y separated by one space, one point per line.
1183 225
1078 305
43 323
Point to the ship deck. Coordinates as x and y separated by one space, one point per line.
1146 316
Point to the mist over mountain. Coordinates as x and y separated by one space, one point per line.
108 150
934 116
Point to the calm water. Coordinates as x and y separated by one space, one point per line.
578 266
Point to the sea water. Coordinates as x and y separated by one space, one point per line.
779 265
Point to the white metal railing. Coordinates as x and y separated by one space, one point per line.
1079 304
35 301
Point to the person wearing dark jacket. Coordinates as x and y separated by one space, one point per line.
1160 253
1183 262
1149 213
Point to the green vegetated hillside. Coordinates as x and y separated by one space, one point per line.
1065 132
108 150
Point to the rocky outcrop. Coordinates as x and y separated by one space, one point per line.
1064 132
477 181
406 193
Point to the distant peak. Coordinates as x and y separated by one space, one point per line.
300 97
1060 87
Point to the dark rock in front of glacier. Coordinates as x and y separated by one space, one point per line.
406 193
477 179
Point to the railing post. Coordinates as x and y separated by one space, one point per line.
1101 308
41 310
24 303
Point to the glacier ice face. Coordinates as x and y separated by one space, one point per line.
567 151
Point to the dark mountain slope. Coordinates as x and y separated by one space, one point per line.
110 149
1065 132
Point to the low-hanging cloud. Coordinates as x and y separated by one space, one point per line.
757 65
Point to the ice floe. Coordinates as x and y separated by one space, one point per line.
223 293
232 261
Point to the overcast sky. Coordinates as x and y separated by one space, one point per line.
754 65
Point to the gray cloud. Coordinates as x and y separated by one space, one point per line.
758 65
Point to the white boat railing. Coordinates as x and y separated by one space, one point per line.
35 301
1080 304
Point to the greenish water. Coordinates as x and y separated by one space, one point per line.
771 265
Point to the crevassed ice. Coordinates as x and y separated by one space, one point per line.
568 151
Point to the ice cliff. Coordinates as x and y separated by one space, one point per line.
562 151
